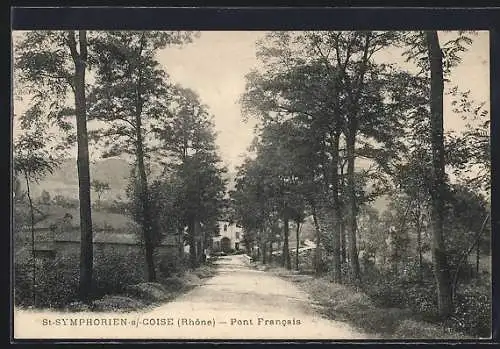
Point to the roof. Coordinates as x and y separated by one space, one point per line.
108 238
103 220
129 239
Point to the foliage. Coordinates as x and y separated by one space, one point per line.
130 95
191 189
56 283
130 92
45 197
100 188
173 264
33 159
64 201
472 313
466 212
114 272
148 291
115 303
469 151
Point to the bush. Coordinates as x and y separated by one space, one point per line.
204 271
472 313
377 320
173 264
423 330
113 273
117 303
148 291
174 283
472 302
56 282
390 290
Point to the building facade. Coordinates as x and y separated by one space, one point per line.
229 238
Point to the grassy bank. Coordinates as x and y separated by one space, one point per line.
148 295
349 304
114 289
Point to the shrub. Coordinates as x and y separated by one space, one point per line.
112 273
148 291
204 272
117 304
173 264
472 313
471 316
174 283
423 330
56 282
377 320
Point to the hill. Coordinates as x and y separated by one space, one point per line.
64 180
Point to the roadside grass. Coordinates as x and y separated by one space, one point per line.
150 294
348 304
133 296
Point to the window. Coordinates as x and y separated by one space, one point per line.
225 227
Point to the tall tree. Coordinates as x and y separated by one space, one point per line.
328 82
187 143
48 63
130 95
436 61
441 269
33 159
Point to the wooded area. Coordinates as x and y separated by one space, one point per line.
323 102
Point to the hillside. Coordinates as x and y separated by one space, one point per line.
64 180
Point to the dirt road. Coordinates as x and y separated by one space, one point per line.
238 303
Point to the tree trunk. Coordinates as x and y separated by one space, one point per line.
419 248
32 228
351 204
337 268
264 251
439 257
192 243
286 251
180 242
297 232
317 255
343 244
86 244
343 248
147 219
148 228
478 252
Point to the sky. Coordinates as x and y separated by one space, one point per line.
216 63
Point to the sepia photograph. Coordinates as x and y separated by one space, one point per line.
251 185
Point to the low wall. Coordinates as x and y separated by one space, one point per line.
101 250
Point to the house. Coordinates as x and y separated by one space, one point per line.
229 238
58 234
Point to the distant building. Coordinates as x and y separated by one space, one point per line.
59 234
229 238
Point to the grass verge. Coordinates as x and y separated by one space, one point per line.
148 294
348 304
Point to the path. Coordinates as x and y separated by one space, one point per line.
238 303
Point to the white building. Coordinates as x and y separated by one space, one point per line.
229 238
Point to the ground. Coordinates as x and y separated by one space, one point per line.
238 303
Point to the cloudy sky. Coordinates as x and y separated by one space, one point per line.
216 63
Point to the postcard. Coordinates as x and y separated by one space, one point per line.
215 185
